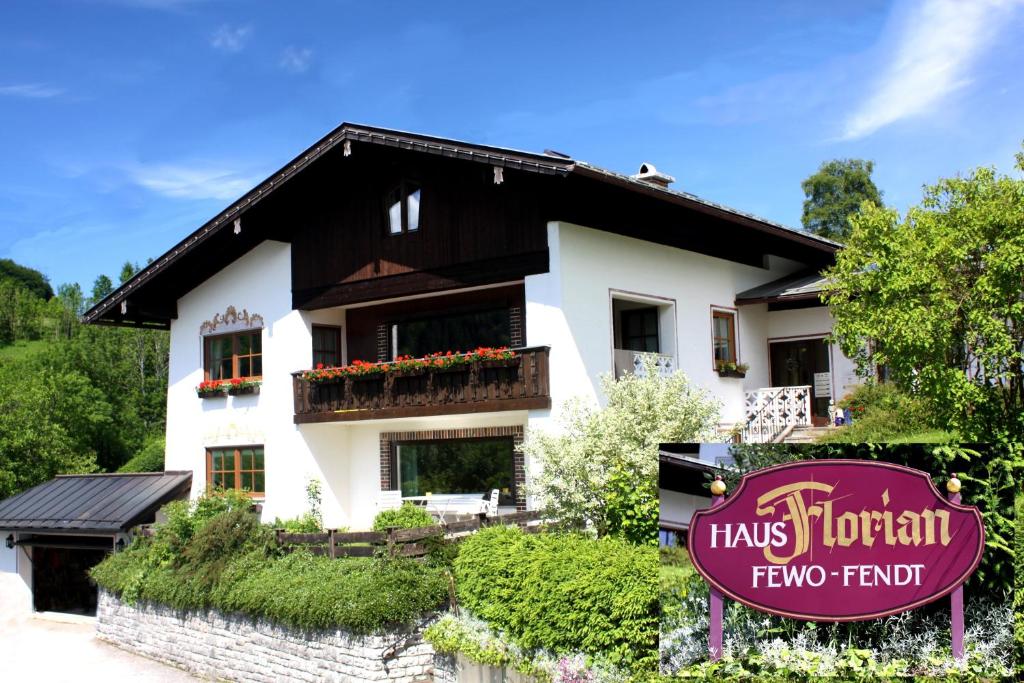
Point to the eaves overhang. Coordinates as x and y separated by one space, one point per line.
100 313
118 307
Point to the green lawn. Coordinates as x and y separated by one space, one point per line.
21 349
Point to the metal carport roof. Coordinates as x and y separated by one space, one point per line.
92 503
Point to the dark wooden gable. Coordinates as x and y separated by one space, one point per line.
471 232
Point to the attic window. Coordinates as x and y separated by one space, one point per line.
403 204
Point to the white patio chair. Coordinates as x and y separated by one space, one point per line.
491 507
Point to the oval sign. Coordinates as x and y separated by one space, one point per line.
836 540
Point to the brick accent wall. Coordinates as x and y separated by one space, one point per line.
388 478
515 322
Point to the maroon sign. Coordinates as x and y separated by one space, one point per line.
836 540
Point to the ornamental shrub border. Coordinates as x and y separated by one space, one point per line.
212 553
564 593
440 360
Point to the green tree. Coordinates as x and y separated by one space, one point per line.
127 271
28 278
45 426
834 193
937 297
101 288
601 468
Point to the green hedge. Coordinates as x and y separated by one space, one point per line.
564 593
149 459
408 516
231 563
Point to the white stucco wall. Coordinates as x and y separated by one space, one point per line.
345 457
259 282
15 581
569 308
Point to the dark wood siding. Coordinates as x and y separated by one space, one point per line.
361 323
340 235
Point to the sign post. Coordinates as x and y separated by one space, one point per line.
836 540
956 598
715 630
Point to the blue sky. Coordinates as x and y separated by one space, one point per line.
127 123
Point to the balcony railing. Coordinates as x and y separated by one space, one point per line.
633 361
477 387
770 411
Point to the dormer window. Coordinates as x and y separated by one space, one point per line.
403 204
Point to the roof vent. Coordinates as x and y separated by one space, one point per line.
649 174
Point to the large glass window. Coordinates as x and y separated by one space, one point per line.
326 346
234 355
239 468
457 466
640 329
459 332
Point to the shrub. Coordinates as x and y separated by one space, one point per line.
408 516
564 593
149 459
884 413
306 591
602 467
229 561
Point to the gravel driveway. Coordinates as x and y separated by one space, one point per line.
35 649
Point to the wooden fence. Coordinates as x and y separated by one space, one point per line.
401 542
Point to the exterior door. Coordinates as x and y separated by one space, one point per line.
804 362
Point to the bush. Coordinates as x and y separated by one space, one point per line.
564 593
149 459
228 561
601 468
882 413
408 516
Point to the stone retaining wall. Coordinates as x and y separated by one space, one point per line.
237 648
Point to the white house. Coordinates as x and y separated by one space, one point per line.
376 244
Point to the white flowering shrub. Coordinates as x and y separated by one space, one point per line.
601 469
473 638
915 643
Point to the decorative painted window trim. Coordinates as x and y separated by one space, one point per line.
231 321
389 439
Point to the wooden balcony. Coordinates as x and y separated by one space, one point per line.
478 387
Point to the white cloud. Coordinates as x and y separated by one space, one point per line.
938 42
296 60
193 182
230 39
30 90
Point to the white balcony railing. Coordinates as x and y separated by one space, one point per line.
770 411
633 361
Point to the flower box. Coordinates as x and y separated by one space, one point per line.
450 369
367 376
729 369
244 388
211 389
501 363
